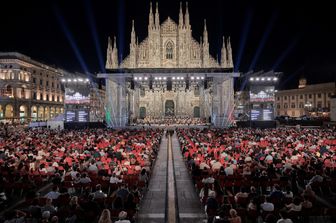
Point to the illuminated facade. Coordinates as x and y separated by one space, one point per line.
29 90
311 100
169 73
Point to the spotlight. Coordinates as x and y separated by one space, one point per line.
75 80
262 79
275 79
202 78
140 78
197 78
182 78
69 80
160 78
136 78
173 78
178 78
268 78
87 80
257 79
164 78
156 78
192 78
251 79
80 80
63 80
146 78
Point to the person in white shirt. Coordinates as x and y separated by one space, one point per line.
267 205
54 194
114 179
93 167
283 218
84 179
229 170
122 217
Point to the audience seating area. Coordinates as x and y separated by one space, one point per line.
72 176
251 175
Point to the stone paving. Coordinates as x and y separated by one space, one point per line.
182 200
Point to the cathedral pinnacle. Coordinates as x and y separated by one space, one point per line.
180 16
157 17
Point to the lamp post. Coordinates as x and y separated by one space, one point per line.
308 106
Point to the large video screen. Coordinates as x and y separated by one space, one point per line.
70 116
262 114
77 94
77 115
262 94
83 115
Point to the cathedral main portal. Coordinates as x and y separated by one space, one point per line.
169 108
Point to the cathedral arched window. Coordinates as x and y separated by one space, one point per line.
169 50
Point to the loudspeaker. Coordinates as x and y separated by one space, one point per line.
205 84
169 85
132 84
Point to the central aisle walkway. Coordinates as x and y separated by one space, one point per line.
153 207
171 196
189 206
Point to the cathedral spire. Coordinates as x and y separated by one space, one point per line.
181 17
109 44
229 54
108 54
223 54
205 33
114 42
151 17
157 17
186 17
133 34
114 55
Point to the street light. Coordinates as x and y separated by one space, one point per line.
308 106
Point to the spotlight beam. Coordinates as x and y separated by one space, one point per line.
70 39
121 28
290 77
285 53
263 40
94 34
243 38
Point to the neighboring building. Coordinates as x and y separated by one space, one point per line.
169 74
29 90
333 108
310 100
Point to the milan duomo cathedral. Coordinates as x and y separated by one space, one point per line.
169 45
169 73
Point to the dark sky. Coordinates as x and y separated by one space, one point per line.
299 38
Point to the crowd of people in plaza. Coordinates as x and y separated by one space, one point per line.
279 175
100 175
83 175
171 120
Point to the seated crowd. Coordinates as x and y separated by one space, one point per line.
76 176
171 120
279 175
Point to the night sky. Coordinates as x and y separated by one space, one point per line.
296 39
